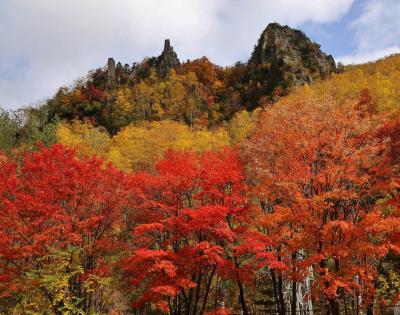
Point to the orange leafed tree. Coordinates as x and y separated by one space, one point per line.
319 172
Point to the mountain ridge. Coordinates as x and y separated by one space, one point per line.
196 92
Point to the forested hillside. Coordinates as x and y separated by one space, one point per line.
171 187
198 92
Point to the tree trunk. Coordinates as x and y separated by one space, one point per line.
280 295
208 290
276 297
294 297
334 307
242 299
294 287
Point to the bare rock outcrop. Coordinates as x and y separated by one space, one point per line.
167 60
291 51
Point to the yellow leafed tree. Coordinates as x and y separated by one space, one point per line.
380 80
242 125
139 147
86 138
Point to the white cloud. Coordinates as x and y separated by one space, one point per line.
377 31
243 21
379 25
49 43
369 56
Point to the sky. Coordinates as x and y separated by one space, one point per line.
46 44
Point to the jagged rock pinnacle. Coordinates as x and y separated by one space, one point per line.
111 71
167 60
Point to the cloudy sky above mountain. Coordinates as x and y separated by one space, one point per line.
46 44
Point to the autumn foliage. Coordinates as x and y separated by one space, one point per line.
320 172
292 206
52 206
195 229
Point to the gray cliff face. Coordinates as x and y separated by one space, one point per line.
167 60
291 53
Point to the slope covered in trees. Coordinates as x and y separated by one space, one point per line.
197 92
312 193
156 194
373 85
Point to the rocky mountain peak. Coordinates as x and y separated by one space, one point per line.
290 53
167 60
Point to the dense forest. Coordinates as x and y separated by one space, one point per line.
186 188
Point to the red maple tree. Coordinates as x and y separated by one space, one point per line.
194 230
53 202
